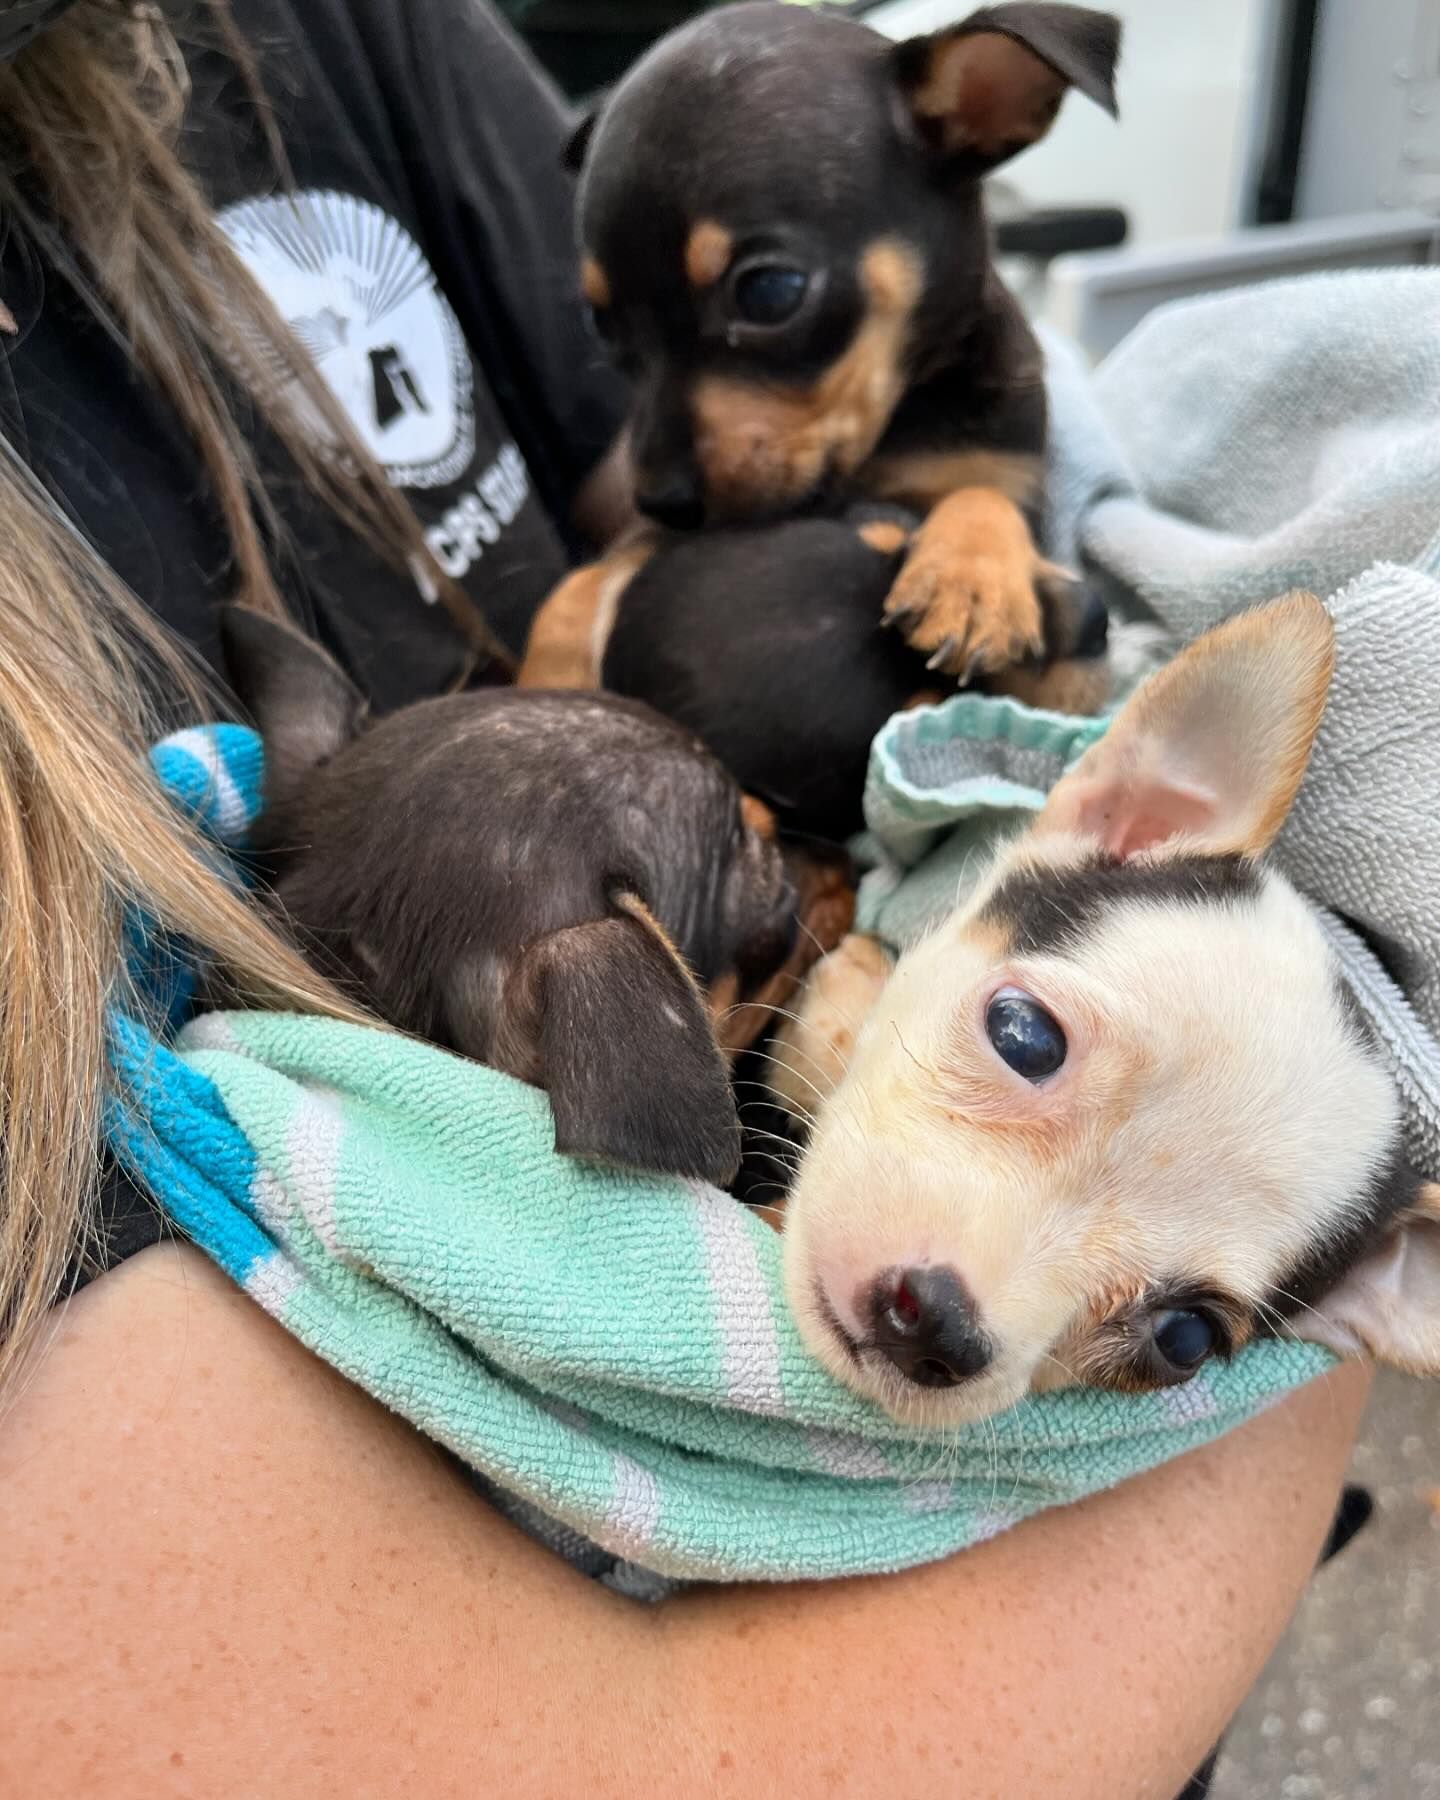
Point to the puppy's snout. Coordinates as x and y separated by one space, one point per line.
673 500
1092 628
925 1322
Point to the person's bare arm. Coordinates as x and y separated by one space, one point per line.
229 1573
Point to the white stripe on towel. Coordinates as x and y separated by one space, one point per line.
312 1149
740 1301
634 1509
229 813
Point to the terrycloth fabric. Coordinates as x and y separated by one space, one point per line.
611 1353
1232 448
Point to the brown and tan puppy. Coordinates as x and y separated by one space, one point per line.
1118 1114
564 886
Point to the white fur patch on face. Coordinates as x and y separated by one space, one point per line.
1215 1116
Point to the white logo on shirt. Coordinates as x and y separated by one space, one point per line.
356 290
481 514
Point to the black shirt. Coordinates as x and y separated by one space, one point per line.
425 256
426 259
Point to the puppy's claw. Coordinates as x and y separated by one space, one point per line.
975 666
947 648
903 618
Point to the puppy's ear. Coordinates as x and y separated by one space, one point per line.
1389 1307
618 1036
304 706
572 157
1212 748
981 91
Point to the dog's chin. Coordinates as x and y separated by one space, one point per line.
768 503
866 1372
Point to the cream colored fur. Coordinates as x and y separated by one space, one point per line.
1215 1115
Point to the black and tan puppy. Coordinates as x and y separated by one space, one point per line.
785 244
765 641
567 887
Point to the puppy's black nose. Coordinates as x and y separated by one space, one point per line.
674 502
927 1325
1092 629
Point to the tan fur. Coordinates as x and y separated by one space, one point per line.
985 92
884 536
923 480
765 446
1080 685
708 251
757 816
812 1047
1214 1116
1266 673
569 632
966 595
594 283
636 909
825 908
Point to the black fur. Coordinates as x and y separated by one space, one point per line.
1325 1264
766 643
1046 910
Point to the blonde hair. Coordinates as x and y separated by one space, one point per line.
90 177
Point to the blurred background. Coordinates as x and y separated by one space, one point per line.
1259 138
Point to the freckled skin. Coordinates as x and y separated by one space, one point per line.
277 1458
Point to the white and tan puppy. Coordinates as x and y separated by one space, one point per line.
1117 1115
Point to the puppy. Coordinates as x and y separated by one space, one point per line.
1117 1115
763 641
566 887
785 245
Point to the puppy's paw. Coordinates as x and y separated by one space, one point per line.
811 1050
971 617
969 595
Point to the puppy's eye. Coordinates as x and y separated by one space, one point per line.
768 293
1184 1339
1024 1035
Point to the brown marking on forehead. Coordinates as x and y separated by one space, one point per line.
891 276
708 250
761 446
922 480
885 536
984 92
757 817
594 283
